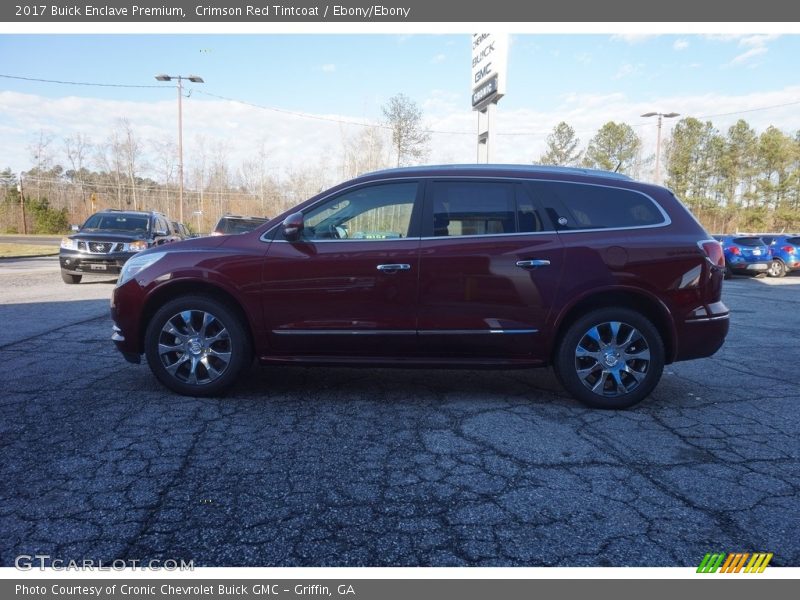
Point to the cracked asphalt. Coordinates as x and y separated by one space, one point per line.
334 467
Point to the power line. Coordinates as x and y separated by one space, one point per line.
749 110
361 123
86 83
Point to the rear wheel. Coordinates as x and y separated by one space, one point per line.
776 268
728 272
610 358
70 278
197 346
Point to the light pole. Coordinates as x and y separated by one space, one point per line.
670 115
179 79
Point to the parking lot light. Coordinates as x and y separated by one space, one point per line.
179 79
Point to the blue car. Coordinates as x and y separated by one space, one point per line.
744 255
784 250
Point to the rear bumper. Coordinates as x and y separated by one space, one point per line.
702 336
750 267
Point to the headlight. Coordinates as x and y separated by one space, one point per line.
68 244
137 246
137 264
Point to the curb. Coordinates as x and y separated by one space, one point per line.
28 256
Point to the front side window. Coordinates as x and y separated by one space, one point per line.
377 212
481 208
583 206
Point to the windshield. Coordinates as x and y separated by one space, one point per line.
117 222
748 241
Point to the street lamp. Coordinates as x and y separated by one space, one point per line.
179 79
658 138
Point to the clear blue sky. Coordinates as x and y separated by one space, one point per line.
352 74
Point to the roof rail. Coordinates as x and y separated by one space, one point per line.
507 167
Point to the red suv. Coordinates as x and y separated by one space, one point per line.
605 278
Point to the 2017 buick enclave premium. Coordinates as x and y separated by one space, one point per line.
605 278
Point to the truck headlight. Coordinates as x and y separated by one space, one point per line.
136 265
137 246
68 244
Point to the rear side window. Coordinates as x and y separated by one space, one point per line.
748 241
482 208
584 206
793 240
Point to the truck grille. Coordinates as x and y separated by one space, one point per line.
100 247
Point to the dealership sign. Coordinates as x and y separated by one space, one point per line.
489 62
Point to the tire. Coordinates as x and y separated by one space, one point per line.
776 268
69 278
728 272
624 381
197 346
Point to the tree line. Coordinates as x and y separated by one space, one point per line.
73 177
733 180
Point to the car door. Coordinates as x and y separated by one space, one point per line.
490 264
348 286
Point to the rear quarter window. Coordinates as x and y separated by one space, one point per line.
585 206
793 240
749 241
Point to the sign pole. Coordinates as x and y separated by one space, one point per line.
489 60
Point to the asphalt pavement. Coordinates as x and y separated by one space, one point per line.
317 466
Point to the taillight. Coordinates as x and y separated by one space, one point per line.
713 250
788 249
735 250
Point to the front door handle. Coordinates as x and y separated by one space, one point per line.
533 264
393 268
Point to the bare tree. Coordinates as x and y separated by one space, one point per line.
42 157
164 152
409 137
131 153
366 151
77 148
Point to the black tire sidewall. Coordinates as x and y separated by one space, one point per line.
69 278
241 354
564 363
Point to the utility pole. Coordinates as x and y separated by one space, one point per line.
22 204
657 172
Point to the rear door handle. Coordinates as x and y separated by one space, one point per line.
533 264
393 268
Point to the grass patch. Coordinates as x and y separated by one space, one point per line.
7 250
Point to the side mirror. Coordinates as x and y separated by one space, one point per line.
293 226
74 228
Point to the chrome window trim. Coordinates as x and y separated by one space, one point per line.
665 223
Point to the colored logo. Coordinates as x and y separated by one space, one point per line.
735 562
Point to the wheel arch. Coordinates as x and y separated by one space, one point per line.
634 299
184 287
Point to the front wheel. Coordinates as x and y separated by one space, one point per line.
70 278
610 358
776 268
197 346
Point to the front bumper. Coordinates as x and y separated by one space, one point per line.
119 342
82 263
